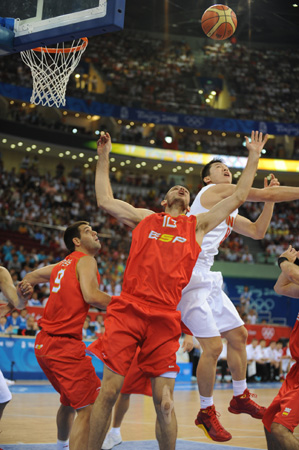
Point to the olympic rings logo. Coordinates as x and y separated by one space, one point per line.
268 333
194 122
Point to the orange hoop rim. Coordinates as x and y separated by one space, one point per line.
63 50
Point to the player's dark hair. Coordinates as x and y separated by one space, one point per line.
206 169
72 232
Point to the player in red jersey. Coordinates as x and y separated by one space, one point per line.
282 416
164 249
59 349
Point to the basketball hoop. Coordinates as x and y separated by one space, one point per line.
51 69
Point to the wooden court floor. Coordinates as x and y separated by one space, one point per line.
30 418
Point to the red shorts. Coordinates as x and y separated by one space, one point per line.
285 407
130 324
135 380
69 370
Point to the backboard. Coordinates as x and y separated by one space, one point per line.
38 23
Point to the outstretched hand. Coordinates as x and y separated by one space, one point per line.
257 142
104 144
291 254
273 181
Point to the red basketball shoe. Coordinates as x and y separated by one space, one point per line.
207 420
243 404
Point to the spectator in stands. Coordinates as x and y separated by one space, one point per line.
245 298
3 325
252 316
98 323
13 321
23 319
31 326
254 361
86 331
272 358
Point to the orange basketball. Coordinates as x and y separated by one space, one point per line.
219 22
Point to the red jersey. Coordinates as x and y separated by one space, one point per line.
162 256
66 310
294 341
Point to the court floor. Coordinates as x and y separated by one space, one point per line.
29 423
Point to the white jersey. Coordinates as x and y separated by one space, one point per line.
213 239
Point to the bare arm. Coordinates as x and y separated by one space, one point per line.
257 229
122 211
87 274
15 299
42 275
288 281
207 221
276 194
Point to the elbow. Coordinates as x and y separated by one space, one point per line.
258 235
241 197
278 290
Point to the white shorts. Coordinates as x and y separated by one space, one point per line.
5 394
205 309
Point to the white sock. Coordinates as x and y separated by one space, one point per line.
239 387
205 402
62 445
115 430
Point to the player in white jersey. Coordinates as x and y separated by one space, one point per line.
206 309
10 293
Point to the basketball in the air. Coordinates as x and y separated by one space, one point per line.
219 22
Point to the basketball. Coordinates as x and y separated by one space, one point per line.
219 22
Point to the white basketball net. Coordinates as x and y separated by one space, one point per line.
51 69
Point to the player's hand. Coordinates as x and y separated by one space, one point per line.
257 142
273 181
104 144
187 344
24 290
291 254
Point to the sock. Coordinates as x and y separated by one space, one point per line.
239 387
205 401
115 430
62 445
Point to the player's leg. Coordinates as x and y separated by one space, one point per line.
272 443
207 364
197 315
5 394
236 352
284 438
237 363
114 438
80 430
64 420
166 423
207 417
101 412
2 406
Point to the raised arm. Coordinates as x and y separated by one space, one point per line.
257 229
122 211
87 274
288 281
207 221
